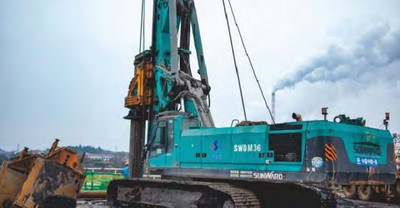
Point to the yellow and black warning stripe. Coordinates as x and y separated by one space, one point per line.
330 152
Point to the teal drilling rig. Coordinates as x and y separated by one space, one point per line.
250 165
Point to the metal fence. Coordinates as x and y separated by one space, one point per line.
98 181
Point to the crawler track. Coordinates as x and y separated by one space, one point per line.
171 193
272 194
240 197
176 193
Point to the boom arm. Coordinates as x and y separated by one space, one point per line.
171 83
163 79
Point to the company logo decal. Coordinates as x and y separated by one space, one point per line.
215 145
366 161
317 162
257 175
367 148
247 148
269 176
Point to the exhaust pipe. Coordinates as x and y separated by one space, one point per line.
297 117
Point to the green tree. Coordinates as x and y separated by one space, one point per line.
3 158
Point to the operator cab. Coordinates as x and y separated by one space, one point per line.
166 134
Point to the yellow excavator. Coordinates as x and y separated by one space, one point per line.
35 181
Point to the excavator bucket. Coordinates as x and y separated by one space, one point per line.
13 174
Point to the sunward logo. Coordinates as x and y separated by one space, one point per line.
215 146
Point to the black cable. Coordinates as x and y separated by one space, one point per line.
234 60
251 64
209 100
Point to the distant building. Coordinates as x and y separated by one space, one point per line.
38 152
101 157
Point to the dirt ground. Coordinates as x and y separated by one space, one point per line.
88 203
345 203
342 203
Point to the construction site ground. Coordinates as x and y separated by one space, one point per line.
342 203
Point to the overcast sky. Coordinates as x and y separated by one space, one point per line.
65 66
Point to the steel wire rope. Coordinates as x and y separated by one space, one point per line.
234 61
251 63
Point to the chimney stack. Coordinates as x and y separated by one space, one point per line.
273 105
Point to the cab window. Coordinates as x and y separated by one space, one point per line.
158 144
170 136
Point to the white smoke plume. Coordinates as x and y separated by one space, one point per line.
375 47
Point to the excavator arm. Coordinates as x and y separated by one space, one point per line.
163 78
